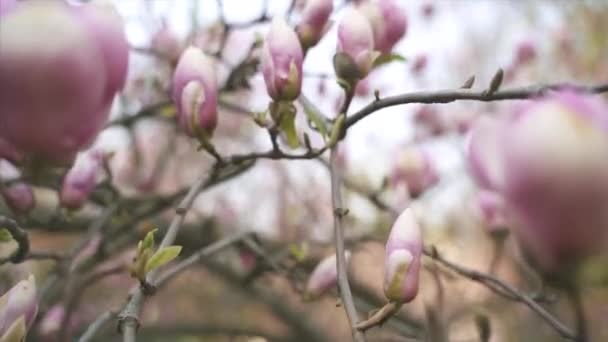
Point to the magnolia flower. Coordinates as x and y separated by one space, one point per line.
81 179
415 168
402 258
431 120
491 208
482 153
324 276
525 53
18 308
55 94
356 54
195 93
549 161
18 196
388 23
282 62
314 21
165 43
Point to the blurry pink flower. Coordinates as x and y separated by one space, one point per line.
324 277
428 118
415 168
419 64
315 16
18 308
195 93
555 154
388 22
550 163
525 52
165 43
482 153
81 179
18 196
356 43
363 87
428 10
6 5
282 62
491 207
402 259
55 94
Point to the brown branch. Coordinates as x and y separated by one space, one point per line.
379 317
450 95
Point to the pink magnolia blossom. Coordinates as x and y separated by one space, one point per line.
18 196
195 93
18 309
356 42
324 276
55 94
165 43
491 208
313 25
388 22
550 163
403 258
415 168
282 59
81 179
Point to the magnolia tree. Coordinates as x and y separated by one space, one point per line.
214 183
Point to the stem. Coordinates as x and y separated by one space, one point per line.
574 294
345 293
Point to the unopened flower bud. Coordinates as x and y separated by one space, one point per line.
314 21
17 195
324 277
18 308
555 154
403 258
388 22
356 54
165 43
525 53
282 59
56 94
415 168
81 179
491 208
195 93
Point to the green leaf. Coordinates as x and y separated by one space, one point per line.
288 126
388 58
5 235
148 241
299 252
337 130
162 256
315 116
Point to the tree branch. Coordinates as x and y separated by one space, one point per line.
20 236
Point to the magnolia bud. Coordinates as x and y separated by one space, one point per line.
195 93
314 21
18 195
419 65
555 173
282 62
388 23
525 53
402 258
165 43
324 276
356 55
491 207
18 308
431 120
81 179
415 168
55 94
482 153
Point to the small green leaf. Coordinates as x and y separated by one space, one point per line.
5 235
315 116
162 256
337 130
388 58
299 252
288 126
148 241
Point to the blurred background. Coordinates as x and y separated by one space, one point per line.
248 295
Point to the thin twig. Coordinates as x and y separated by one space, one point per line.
380 316
576 301
450 95
129 317
339 211
92 329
